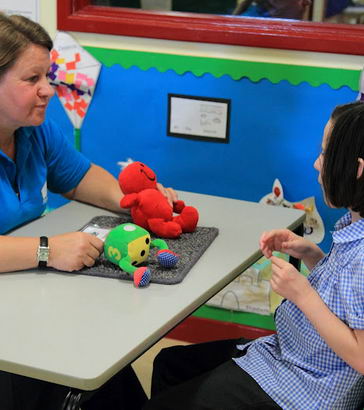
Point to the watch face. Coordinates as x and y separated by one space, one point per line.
43 254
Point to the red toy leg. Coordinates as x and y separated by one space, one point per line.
164 229
178 206
187 219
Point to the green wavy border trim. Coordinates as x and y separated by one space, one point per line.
254 71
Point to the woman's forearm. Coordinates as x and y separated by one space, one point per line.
98 187
18 253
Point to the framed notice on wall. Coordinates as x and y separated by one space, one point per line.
198 117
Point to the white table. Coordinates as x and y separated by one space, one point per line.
79 330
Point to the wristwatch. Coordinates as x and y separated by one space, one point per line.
43 252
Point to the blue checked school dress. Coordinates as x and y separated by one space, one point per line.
296 367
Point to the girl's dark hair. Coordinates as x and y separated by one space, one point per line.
344 146
17 33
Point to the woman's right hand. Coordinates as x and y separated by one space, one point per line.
72 251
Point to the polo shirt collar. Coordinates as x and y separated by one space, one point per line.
23 145
346 231
24 131
22 136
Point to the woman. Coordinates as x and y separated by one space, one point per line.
34 156
316 359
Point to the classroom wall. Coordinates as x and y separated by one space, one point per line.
275 124
280 102
275 132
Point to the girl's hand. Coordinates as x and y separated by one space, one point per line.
283 240
72 251
288 282
169 193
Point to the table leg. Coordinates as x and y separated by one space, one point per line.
294 261
72 400
75 398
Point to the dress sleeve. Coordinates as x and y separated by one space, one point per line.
65 165
356 307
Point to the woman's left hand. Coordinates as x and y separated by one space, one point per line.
288 282
169 193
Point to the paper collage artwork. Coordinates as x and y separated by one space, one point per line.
73 73
314 228
251 291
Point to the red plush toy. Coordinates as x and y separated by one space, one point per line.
149 207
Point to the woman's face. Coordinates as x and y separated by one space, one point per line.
25 91
319 160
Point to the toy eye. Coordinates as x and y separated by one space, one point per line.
147 241
134 263
142 253
142 165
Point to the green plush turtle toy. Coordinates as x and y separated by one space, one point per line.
127 245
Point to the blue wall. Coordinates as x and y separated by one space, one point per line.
275 132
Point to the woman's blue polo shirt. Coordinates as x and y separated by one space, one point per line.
44 160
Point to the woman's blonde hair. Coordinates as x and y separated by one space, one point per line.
16 34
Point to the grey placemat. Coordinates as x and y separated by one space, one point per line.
189 246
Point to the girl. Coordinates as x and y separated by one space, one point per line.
316 359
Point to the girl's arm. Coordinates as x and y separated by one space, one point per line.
344 341
347 343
